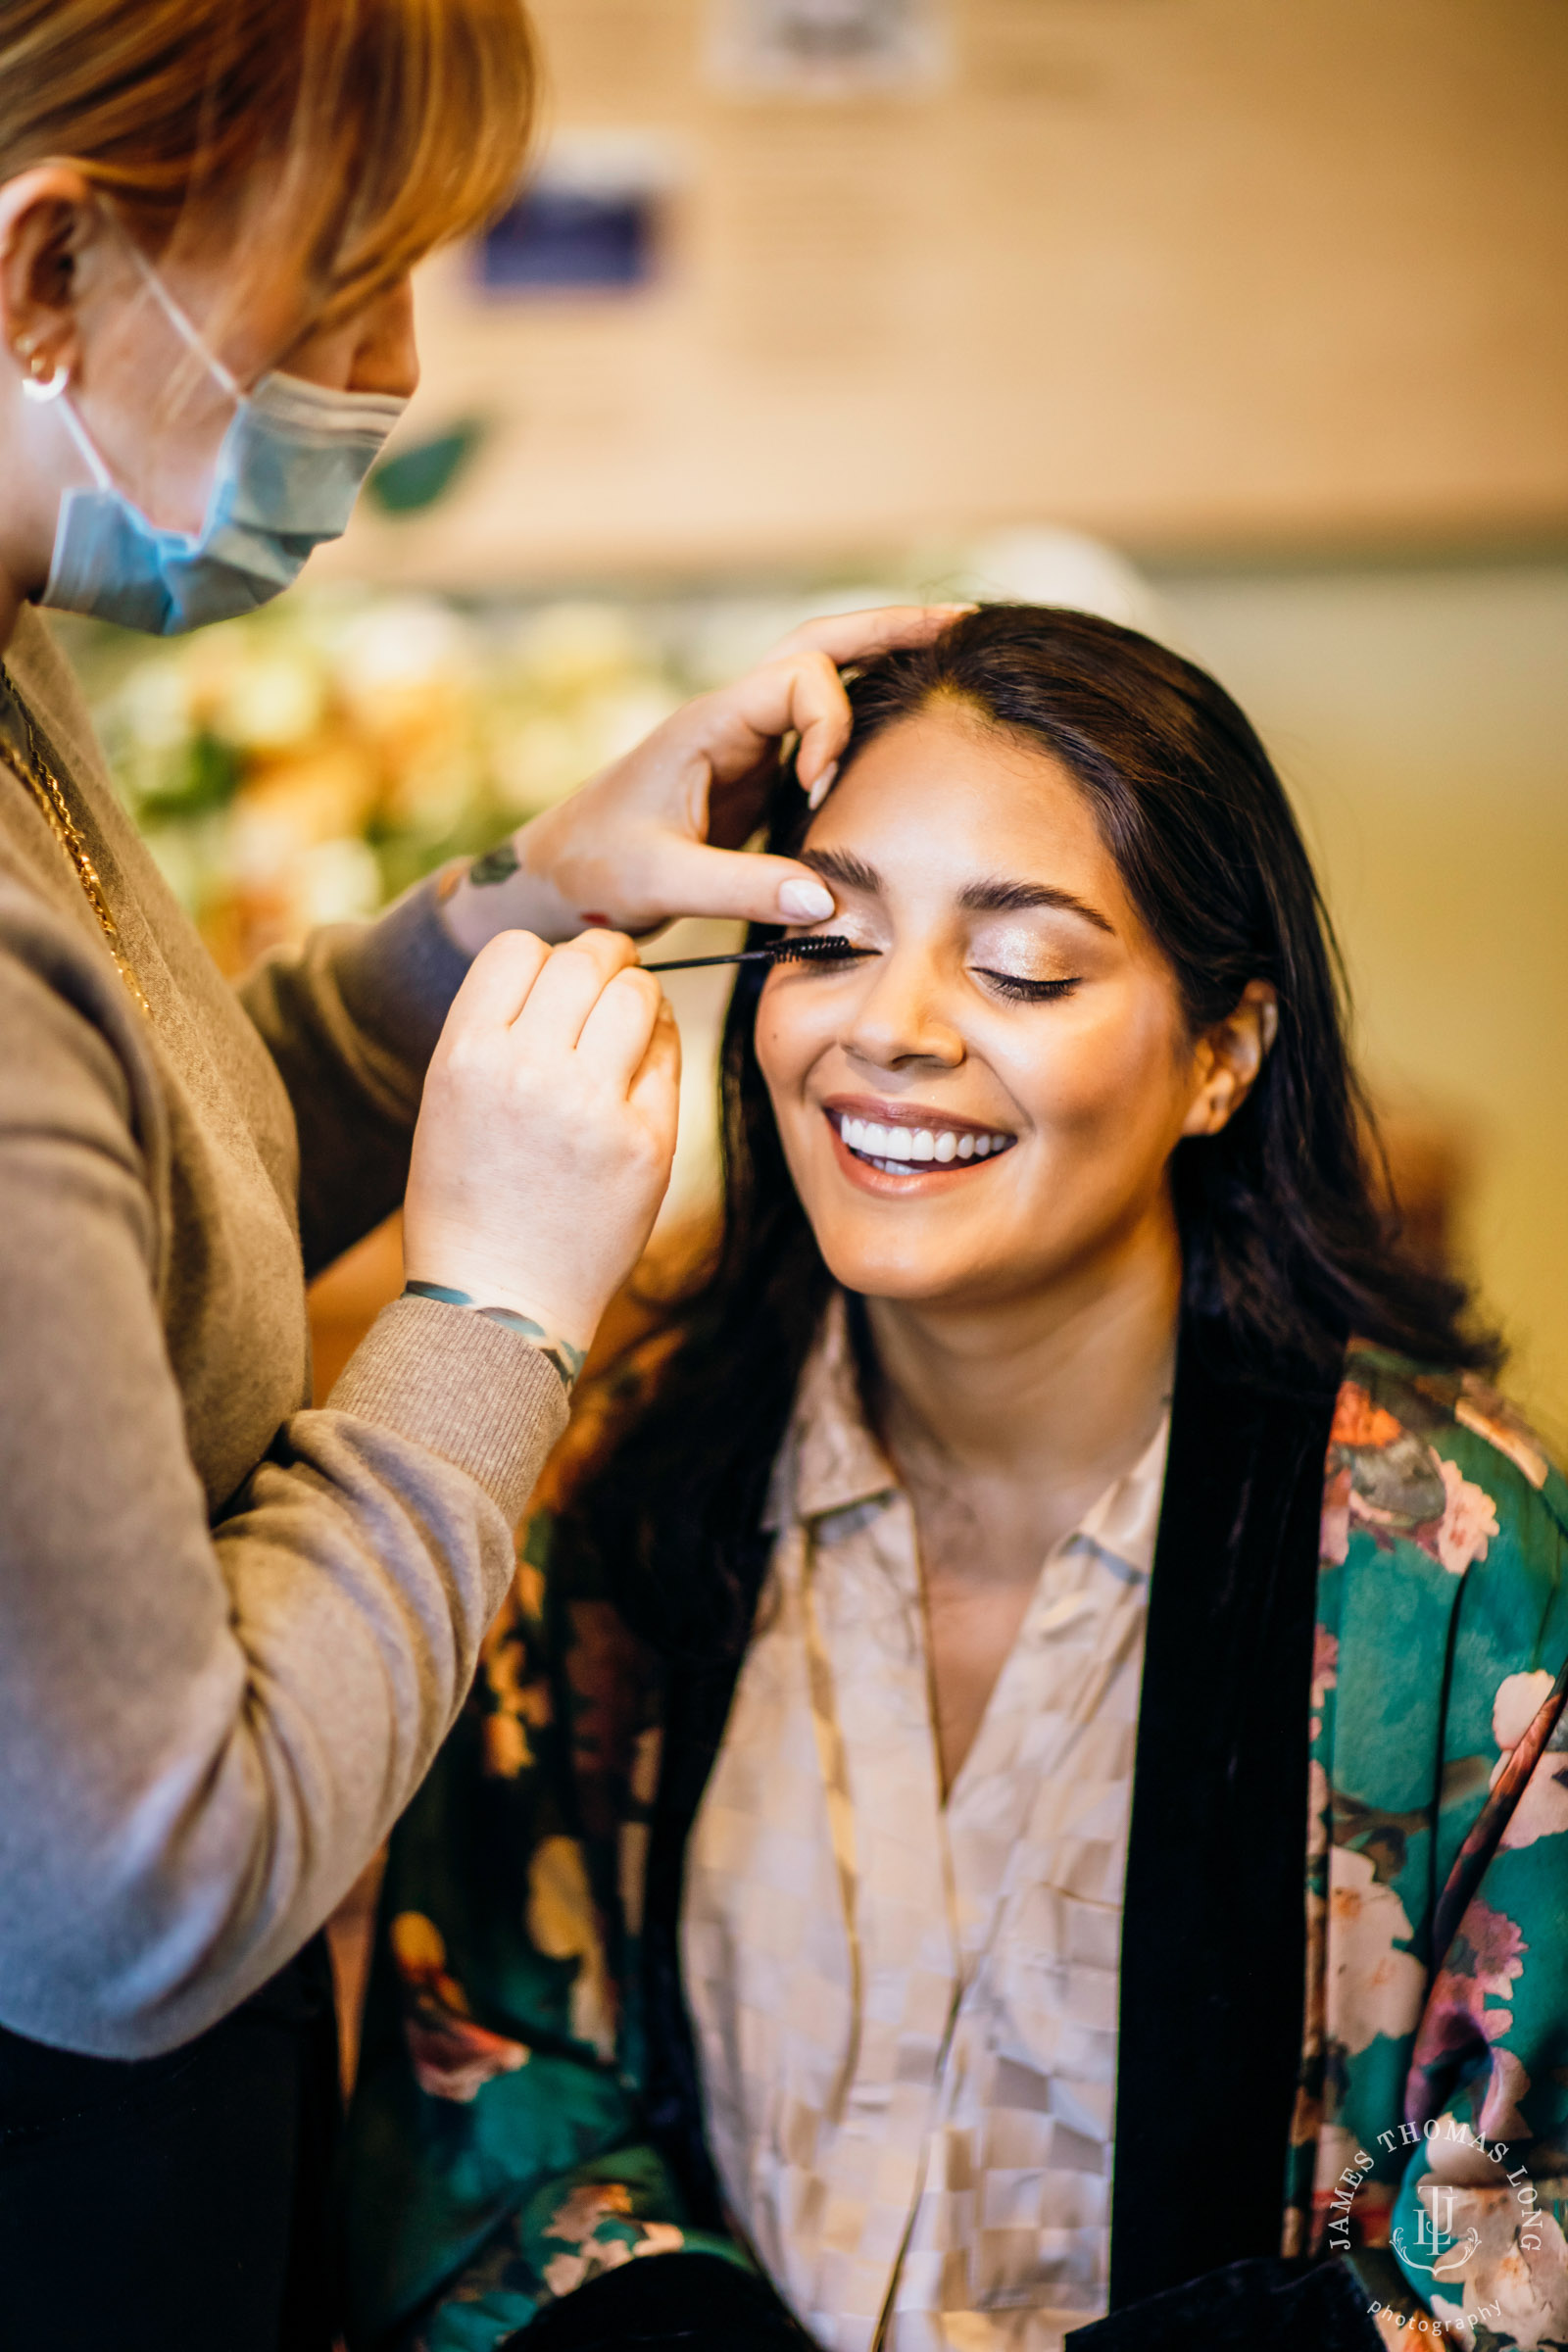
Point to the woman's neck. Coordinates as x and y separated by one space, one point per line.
11 604
1060 1389
35 464
20 537
1007 1424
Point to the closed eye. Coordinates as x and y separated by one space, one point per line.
1027 992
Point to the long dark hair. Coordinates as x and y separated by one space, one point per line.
1286 1247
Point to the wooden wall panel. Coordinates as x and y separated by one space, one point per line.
1195 273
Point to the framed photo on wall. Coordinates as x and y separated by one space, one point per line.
828 48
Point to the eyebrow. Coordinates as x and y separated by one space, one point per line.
981 897
839 866
1009 898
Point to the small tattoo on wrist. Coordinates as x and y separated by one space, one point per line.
568 1360
496 866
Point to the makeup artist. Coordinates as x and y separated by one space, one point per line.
233 1631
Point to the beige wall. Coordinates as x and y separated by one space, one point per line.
1190 273
1421 720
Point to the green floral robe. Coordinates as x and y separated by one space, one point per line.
498 2153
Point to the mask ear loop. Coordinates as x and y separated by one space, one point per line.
183 327
61 377
84 442
42 389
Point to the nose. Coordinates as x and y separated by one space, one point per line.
900 1017
372 351
386 358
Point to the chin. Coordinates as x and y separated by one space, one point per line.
913 1279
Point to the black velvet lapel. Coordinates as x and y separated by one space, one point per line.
1213 1949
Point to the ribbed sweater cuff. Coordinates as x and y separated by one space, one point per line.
473 1391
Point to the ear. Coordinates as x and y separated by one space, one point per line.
46 216
1229 1058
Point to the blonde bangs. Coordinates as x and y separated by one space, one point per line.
357 134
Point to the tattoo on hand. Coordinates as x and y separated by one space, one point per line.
496 866
567 1359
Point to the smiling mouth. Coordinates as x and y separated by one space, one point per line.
901 1149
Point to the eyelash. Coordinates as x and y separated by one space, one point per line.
1006 984
1029 992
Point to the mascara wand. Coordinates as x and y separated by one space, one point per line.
816 950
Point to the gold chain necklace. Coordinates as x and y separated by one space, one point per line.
46 789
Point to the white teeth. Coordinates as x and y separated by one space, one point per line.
893 1147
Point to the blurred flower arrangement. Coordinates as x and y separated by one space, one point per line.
307 763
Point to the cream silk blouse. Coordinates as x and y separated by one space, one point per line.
906 2011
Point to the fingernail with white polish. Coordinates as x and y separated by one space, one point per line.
820 789
803 903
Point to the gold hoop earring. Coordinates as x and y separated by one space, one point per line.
38 386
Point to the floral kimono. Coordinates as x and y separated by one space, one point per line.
1343 2062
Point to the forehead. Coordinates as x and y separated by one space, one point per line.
941 798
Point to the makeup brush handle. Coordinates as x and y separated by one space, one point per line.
696 964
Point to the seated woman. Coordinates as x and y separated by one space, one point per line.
1025 1776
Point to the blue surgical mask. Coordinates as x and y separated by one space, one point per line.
288 472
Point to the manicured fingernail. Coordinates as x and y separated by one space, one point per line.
803 903
820 790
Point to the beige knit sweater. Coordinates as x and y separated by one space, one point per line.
232 1630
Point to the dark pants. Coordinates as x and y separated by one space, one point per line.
176 2204
671 2303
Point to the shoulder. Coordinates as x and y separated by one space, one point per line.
1440 1459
